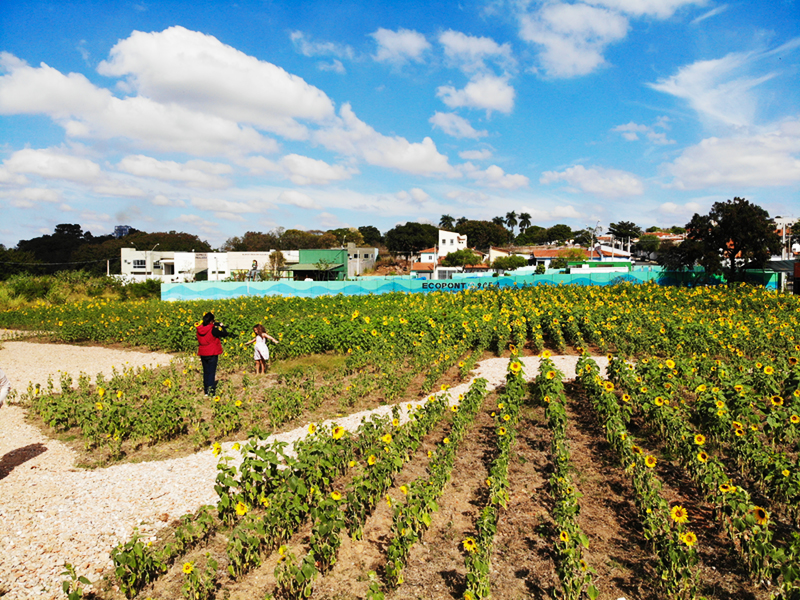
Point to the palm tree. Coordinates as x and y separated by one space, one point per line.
499 221
461 221
511 220
446 222
524 221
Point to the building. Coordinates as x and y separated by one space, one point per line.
360 259
121 231
320 265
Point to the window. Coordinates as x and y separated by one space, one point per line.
366 256
157 264
139 264
451 241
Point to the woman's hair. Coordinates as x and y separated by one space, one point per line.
208 318
259 329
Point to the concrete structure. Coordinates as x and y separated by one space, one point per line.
320 265
360 259
450 241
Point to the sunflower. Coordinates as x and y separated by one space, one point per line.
768 370
584 566
454 408
626 398
609 387
702 456
387 439
670 363
446 440
701 388
776 401
793 360
312 428
371 460
336 495
241 509
404 490
737 425
739 432
635 449
501 431
216 449
785 472
188 567
689 538
337 432
470 545
726 488
761 516
506 417
551 374
699 439
546 354
650 461
679 514
564 537
658 401
515 367
794 419
547 399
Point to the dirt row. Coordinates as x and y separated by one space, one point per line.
522 565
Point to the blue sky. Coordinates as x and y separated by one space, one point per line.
217 118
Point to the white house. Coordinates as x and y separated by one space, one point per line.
449 241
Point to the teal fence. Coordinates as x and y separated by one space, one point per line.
218 290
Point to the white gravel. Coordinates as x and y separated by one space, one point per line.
52 513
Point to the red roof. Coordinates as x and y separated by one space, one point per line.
423 266
429 251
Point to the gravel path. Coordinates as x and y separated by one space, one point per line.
52 513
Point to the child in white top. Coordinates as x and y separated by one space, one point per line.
261 351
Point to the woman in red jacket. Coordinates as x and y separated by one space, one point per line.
208 336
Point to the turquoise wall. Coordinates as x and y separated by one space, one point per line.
218 290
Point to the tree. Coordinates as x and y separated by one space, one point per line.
327 240
276 262
483 234
252 241
347 235
295 239
372 236
447 222
509 263
499 221
511 220
559 233
648 244
584 237
532 236
524 221
625 229
461 258
461 221
410 238
734 236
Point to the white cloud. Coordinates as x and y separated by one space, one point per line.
398 47
681 210
225 209
52 164
469 53
194 173
484 91
714 89
307 47
414 196
483 154
335 65
201 73
469 197
113 188
86 111
494 177
564 212
768 158
711 13
630 131
352 137
456 126
303 170
162 200
259 164
572 36
7 177
298 199
608 183
661 9
29 197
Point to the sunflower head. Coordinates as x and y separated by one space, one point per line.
564 536
650 461
761 516
679 514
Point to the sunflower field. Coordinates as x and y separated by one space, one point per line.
672 473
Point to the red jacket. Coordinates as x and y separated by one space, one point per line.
208 344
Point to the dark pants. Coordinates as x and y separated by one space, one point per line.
209 373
